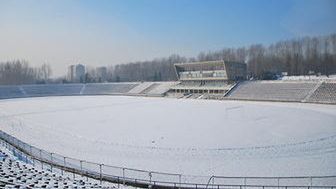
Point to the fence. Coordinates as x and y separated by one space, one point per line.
145 179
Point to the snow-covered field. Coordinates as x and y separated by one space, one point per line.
194 137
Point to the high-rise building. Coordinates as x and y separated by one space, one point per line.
76 73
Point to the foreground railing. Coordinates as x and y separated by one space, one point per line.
153 179
276 182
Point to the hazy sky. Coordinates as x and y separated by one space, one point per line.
63 32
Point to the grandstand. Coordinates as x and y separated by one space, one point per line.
151 88
140 88
161 88
212 77
325 93
10 92
52 90
125 88
311 91
289 91
285 91
17 173
108 88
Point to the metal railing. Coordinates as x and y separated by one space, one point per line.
278 182
153 179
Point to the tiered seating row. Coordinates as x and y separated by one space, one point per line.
52 89
10 92
325 93
108 88
145 88
141 87
161 88
18 174
290 91
202 85
272 90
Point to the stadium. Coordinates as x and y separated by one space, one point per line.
209 129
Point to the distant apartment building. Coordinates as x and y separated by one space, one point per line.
76 73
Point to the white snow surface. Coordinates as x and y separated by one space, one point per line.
193 137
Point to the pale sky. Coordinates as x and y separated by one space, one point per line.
104 32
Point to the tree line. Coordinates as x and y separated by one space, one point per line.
20 72
302 56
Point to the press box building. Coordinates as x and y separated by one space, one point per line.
208 77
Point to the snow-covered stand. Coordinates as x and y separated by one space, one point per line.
10 92
142 178
280 91
286 91
18 170
325 93
51 90
122 88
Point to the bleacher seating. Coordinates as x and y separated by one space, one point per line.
291 91
151 87
272 90
215 84
10 92
213 96
139 88
203 85
190 84
130 88
18 174
161 88
52 89
174 95
108 88
325 93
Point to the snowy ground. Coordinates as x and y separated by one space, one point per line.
196 137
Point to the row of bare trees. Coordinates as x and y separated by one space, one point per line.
160 69
19 72
309 55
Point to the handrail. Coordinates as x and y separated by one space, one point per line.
209 181
270 177
77 166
